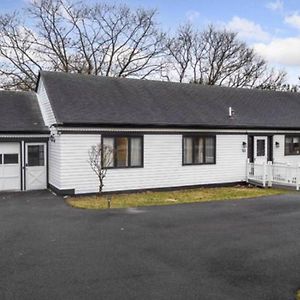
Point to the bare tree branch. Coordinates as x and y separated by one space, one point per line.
100 158
115 40
218 57
98 39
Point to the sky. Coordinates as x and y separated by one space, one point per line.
272 27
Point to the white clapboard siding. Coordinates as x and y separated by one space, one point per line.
278 153
76 172
54 163
162 164
45 105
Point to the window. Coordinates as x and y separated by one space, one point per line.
10 159
199 150
109 143
122 152
36 155
136 152
127 152
0 159
292 145
260 148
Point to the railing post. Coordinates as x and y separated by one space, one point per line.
247 169
270 174
298 177
288 173
264 174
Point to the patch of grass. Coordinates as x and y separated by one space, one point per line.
298 295
174 197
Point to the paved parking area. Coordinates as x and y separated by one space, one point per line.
248 249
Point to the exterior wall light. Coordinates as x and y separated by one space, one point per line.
52 138
277 144
244 146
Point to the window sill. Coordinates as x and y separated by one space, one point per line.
117 168
202 164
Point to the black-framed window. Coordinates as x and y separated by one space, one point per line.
127 151
199 150
292 145
0 159
260 147
10 159
36 155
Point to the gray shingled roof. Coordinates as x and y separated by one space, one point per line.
93 100
20 112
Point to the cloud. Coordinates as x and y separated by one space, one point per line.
284 51
275 5
247 29
293 20
192 15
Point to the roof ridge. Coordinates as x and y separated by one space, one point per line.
182 84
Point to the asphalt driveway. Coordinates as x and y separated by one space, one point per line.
248 249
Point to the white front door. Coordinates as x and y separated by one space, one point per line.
260 149
36 166
10 168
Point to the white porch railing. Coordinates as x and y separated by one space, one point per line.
267 174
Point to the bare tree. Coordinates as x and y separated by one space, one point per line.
218 57
115 40
100 39
179 49
280 86
100 158
19 55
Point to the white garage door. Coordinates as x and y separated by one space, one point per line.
10 174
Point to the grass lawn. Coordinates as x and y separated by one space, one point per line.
174 197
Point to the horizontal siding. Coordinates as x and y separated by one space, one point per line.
278 153
54 158
76 172
45 105
162 164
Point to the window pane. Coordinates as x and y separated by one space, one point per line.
108 153
209 150
36 156
136 152
11 159
188 150
122 152
198 144
296 145
0 159
260 145
292 145
288 145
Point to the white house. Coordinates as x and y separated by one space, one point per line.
165 135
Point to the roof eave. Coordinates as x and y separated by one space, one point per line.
175 126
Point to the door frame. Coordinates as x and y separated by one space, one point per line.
251 146
260 158
24 160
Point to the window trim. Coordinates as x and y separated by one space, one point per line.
204 136
128 136
290 136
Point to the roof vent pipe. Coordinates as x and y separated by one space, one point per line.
230 112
